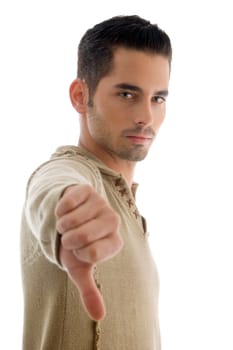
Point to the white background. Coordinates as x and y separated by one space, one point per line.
186 189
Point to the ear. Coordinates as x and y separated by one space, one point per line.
79 95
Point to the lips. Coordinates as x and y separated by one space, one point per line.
143 137
139 135
139 139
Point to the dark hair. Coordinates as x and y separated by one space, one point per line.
96 48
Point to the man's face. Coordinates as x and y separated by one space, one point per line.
128 105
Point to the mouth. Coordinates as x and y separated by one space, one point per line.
139 139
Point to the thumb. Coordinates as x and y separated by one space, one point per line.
82 276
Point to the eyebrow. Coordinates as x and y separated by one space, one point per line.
131 87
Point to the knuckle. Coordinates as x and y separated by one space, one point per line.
84 239
115 219
72 221
98 202
75 240
87 188
101 203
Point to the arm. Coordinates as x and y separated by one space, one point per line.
62 198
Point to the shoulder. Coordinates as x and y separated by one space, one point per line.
67 164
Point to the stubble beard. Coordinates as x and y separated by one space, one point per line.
135 154
103 138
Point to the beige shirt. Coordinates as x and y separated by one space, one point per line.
54 318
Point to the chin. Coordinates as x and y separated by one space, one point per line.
133 156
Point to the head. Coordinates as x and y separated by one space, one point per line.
97 46
120 92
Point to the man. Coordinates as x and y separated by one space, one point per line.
88 275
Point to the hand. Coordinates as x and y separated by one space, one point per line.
90 234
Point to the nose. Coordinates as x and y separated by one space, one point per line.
144 114
148 114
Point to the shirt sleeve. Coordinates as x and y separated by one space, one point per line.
45 188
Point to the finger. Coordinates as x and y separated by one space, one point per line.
72 220
72 197
89 232
80 215
100 250
82 277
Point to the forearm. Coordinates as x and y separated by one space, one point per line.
44 190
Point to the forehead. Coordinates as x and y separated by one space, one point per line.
139 68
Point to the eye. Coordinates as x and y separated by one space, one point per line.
126 95
159 99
